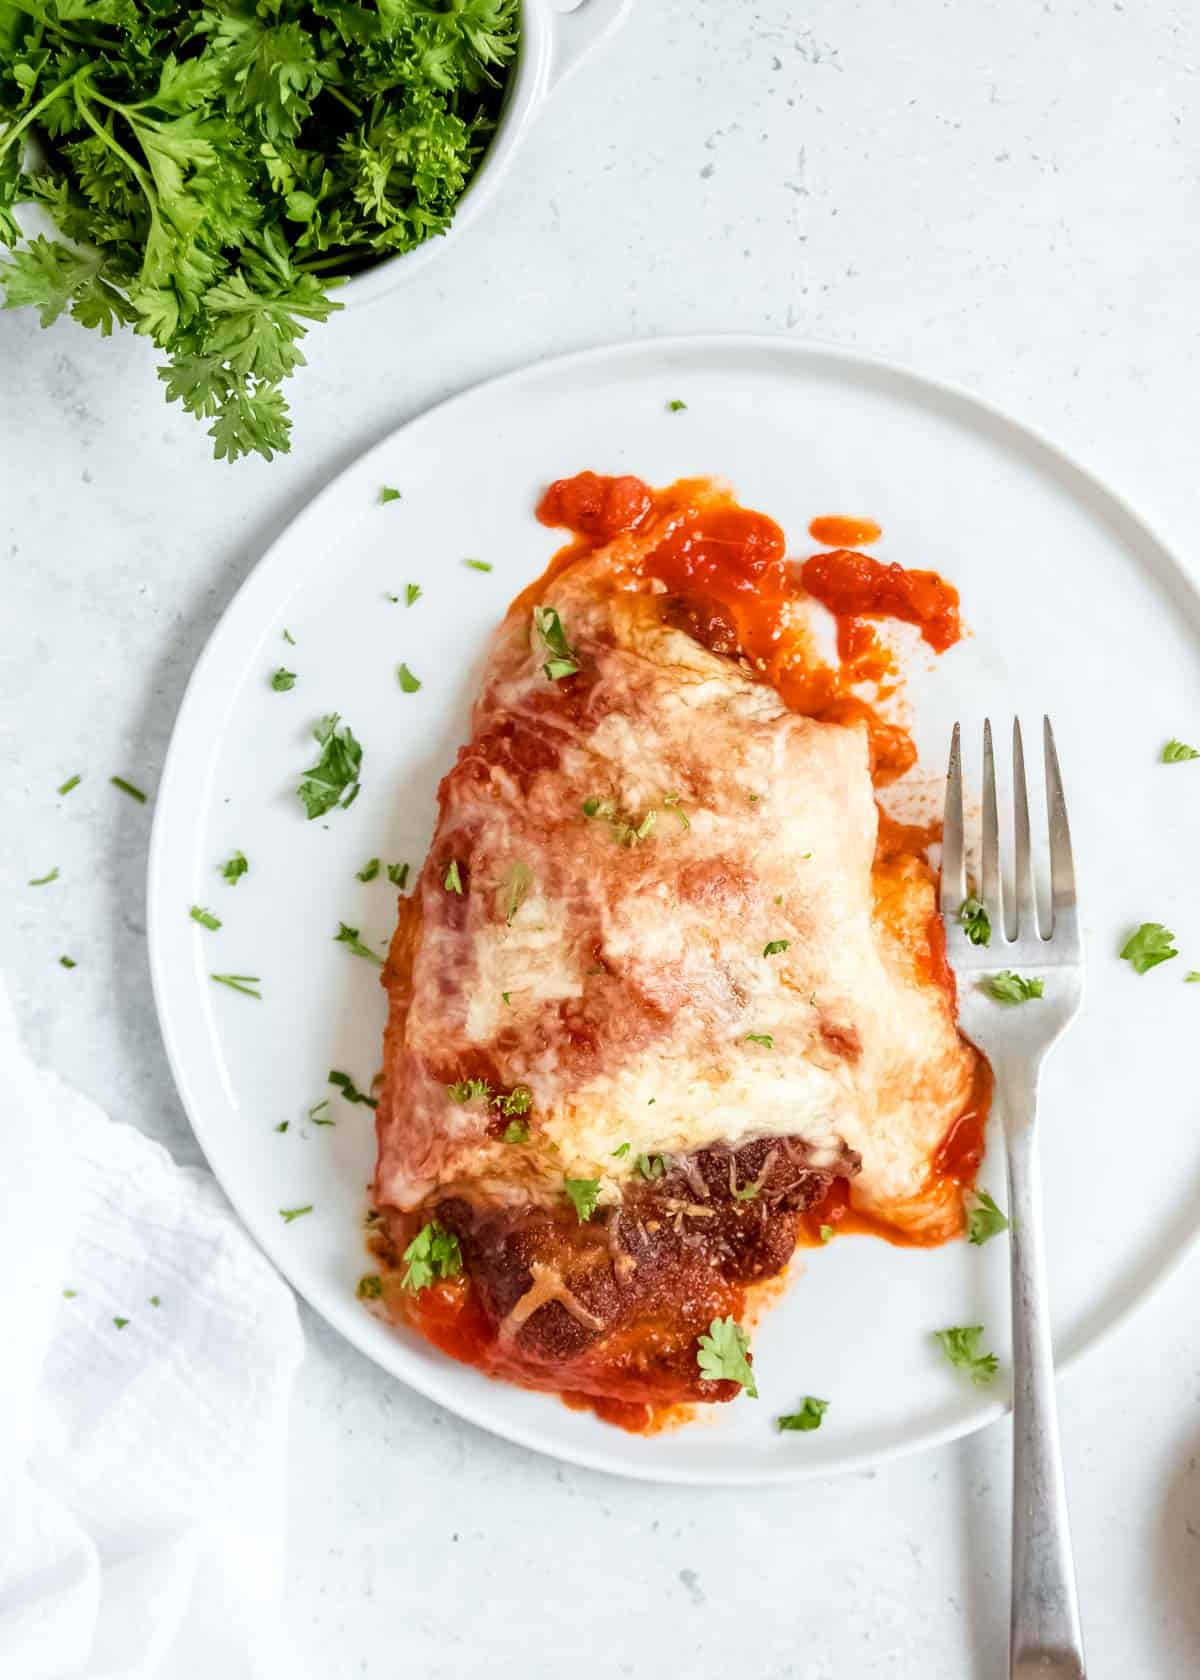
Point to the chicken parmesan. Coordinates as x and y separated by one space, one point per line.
668 998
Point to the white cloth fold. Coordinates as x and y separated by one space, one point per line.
141 1465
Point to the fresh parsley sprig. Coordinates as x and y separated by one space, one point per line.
722 1355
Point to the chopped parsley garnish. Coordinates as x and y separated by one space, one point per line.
283 680
350 1090
478 565
518 1101
517 883
1192 976
1007 987
388 494
412 594
204 917
584 1194
394 599
722 1355
651 1166
288 637
975 922
564 661
961 1347
370 1288
317 1114
1150 945
235 868
45 880
70 1294
71 782
671 802
468 1090
774 946
155 1301
808 1417
408 683
432 1253
984 1219
283 1126
397 874
368 871
1178 752
120 1323
333 779
623 829
239 983
349 936
288 1214
765 1039
68 962
453 880
826 1233
128 787
676 406
622 1149
517 1131
507 996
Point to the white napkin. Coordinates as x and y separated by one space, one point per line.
141 1467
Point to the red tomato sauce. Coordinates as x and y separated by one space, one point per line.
838 530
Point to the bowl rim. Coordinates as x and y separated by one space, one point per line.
526 88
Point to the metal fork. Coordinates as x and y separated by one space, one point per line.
1045 1637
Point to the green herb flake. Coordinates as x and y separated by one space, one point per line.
515 890
1178 752
388 494
1148 946
774 946
349 936
45 880
765 1039
433 1253
120 1323
282 1126
283 680
412 594
155 1301
204 917
1192 976
826 1233
1009 988
239 983
808 1417
397 874
517 1131
452 881
68 962
394 599
127 787
370 1287
408 683
468 1090
333 779
975 922
235 868
70 783
676 406
671 802
723 1355
70 1294
368 871
289 1214
518 1101
478 565
350 1090
584 1194
289 638
960 1344
651 1166
507 996
984 1218
621 1150
564 661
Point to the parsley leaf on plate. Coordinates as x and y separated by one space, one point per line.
318 1115
370 1287
289 1214
349 936
676 406
1148 946
651 1166
478 565
453 880
68 962
1007 987
204 917
350 1090
45 880
960 1344
397 874
71 782
333 779
283 680
517 1131
368 871
808 1417
975 921
722 1355
235 868
774 946
584 1194
433 1253
412 594
826 1233
564 661
389 494
621 1149
1178 752
984 1218
128 787
408 683
239 983
767 1040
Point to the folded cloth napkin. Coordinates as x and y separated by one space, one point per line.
147 1352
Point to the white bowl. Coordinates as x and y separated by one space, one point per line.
554 39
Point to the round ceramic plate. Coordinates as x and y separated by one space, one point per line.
1075 609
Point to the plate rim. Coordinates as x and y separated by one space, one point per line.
426 1380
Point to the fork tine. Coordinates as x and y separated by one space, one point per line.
991 890
954 866
1025 917
1062 863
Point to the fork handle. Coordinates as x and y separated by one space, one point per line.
1045 1637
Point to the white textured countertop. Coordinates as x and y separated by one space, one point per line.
1002 195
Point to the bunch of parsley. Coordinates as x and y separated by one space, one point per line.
212 168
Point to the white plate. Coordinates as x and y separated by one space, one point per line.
1076 610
